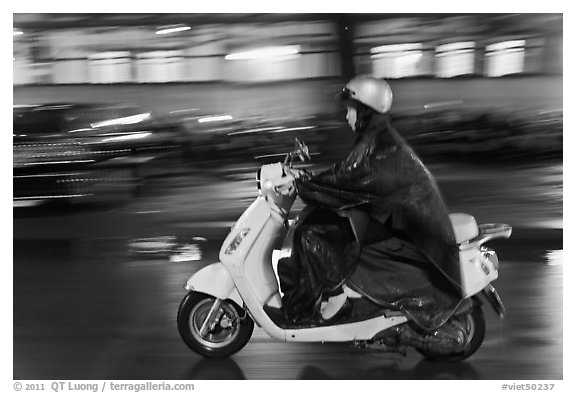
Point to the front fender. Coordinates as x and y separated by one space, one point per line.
214 280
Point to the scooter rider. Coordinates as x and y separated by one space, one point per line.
402 255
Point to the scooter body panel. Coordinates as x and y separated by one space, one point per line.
478 264
363 330
249 262
214 280
245 232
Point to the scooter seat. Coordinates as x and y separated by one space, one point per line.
465 227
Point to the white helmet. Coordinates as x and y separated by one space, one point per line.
373 92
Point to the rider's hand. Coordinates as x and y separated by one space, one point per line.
305 175
300 174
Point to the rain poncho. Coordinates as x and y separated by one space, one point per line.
407 259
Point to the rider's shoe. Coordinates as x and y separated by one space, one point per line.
342 315
329 308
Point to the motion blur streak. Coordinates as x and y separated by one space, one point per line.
214 118
123 120
138 135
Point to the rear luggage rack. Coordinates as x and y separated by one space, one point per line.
487 232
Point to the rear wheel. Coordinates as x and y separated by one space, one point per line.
474 324
213 327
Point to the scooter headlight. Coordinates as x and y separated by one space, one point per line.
236 242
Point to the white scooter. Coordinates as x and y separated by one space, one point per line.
216 318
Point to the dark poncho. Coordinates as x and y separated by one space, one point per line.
408 259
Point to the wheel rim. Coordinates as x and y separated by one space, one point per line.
226 324
469 328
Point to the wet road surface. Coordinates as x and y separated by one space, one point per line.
96 290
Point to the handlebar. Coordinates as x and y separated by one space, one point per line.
280 177
300 151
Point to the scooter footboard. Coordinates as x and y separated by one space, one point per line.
214 280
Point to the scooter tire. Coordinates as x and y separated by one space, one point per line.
220 341
477 321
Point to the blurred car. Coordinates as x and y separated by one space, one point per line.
474 133
83 152
224 137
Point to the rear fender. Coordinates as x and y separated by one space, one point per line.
493 298
214 280
487 233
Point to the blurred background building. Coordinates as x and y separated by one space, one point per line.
236 62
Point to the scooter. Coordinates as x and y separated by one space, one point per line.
216 317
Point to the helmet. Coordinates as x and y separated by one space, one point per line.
372 92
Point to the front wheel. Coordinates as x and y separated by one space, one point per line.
213 327
474 324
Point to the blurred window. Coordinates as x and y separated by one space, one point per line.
264 64
505 58
110 67
398 61
455 59
160 66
